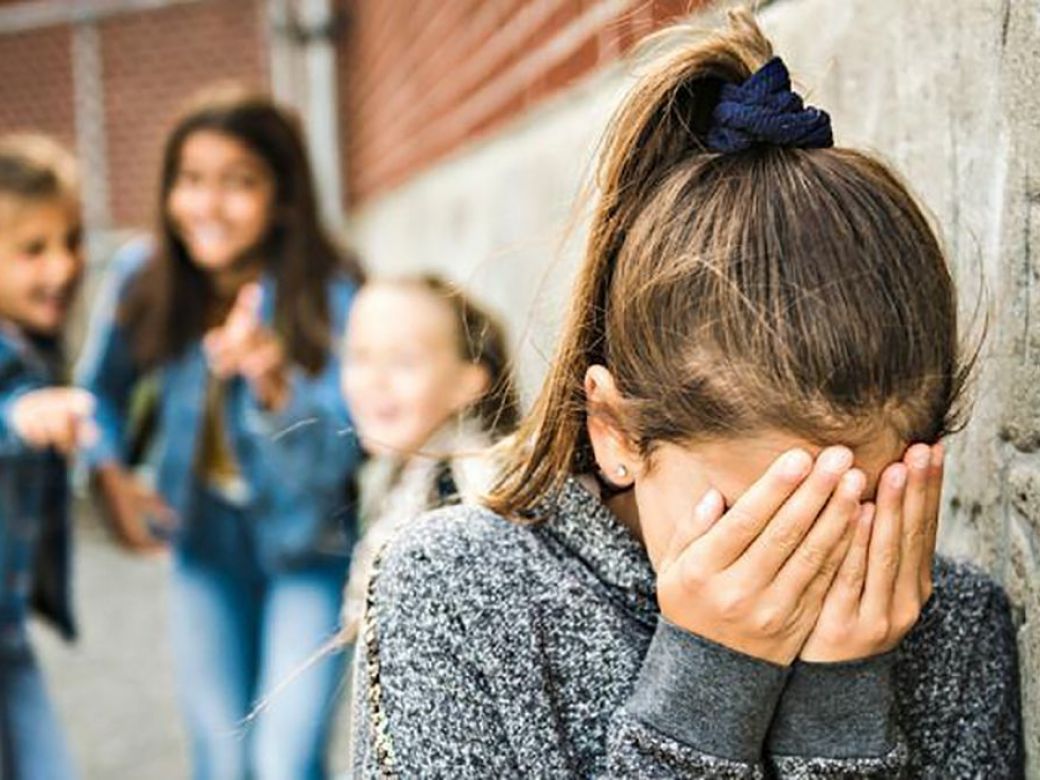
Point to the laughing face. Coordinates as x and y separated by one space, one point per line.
40 262
221 201
403 376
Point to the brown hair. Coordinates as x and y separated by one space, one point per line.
796 289
36 167
167 306
481 340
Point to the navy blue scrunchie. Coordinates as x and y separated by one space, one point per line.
764 110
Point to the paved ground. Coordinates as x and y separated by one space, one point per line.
114 688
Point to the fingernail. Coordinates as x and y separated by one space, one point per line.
897 476
708 504
938 453
836 459
854 481
795 464
920 456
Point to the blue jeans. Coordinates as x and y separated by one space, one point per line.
242 639
32 745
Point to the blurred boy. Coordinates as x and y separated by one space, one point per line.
41 422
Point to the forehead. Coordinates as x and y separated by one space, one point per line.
20 216
393 310
213 148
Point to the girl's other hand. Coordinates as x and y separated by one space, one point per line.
58 417
886 576
128 506
753 578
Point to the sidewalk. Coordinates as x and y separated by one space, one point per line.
114 687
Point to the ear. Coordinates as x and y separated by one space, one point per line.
615 454
474 381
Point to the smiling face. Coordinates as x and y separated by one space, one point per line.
403 376
40 262
221 201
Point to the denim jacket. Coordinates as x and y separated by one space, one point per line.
35 532
296 463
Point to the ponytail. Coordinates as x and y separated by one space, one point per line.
711 284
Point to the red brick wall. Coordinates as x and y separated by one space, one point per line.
417 79
153 62
36 83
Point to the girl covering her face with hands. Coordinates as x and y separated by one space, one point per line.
711 550
235 310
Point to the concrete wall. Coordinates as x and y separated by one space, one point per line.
945 89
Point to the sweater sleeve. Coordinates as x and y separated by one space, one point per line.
838 720
698 709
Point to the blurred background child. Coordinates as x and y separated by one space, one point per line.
41 422
428 380
235 307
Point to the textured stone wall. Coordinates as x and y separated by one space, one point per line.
946 91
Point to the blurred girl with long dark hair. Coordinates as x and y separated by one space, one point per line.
232 313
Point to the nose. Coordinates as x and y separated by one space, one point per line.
201 200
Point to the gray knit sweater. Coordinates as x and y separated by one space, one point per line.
497 650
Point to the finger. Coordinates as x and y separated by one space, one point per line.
87 433
933 509
51 430
214 347
80 402
785 531
741 525
212 341
66 427
917 460
162 515
829 534
691 526
247 301
28 425
244 317
847 589
128 519
811 599
220 357
885 543
142 542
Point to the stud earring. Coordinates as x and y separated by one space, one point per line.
621 471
